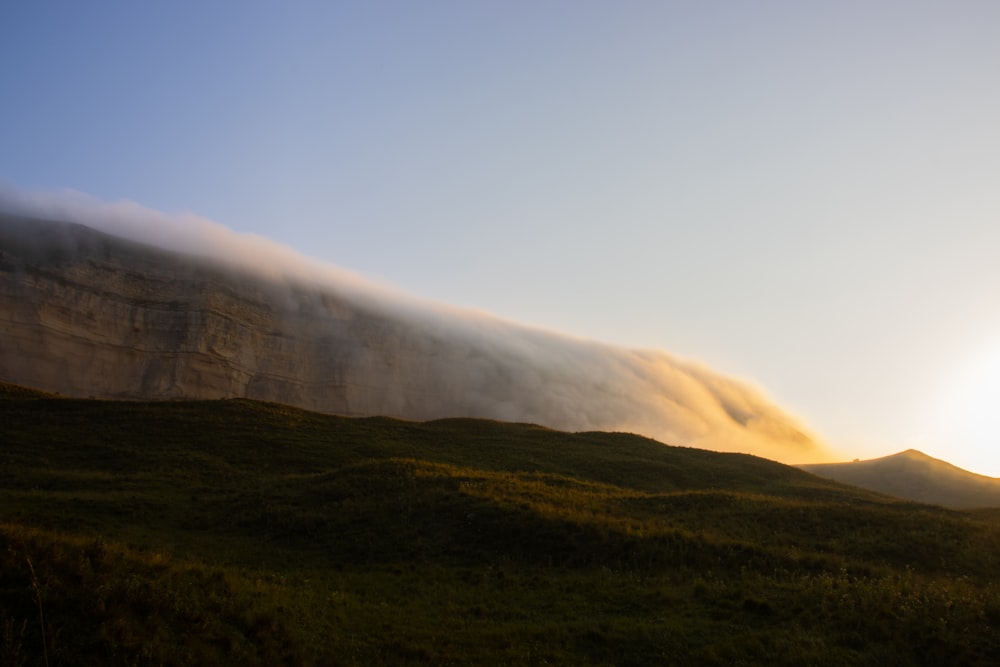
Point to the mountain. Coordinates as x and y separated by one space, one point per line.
89 314
915 476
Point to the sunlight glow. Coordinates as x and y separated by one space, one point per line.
970 413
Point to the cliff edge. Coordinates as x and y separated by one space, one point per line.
87 314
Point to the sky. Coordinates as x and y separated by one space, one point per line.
803 195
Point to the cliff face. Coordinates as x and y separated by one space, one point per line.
86 314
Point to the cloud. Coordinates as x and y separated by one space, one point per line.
454 362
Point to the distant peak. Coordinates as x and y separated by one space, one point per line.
914 453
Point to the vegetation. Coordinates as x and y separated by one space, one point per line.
915 476
236 532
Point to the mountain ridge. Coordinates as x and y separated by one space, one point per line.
88 314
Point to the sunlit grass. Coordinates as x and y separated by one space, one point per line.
235 532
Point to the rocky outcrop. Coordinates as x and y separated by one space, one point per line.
86 314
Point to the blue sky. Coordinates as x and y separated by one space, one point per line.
804 195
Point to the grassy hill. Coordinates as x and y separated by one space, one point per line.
916 476
236 532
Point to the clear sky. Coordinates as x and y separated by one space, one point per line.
805 195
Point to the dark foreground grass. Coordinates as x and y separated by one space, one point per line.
234 532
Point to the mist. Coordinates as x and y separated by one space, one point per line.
470 363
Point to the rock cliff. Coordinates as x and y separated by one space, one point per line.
86 314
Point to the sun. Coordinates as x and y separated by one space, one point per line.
969 413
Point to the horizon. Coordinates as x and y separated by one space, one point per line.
799 197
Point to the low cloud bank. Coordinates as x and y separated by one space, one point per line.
492 368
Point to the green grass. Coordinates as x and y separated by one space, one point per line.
236 532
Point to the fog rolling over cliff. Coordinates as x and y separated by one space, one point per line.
86 313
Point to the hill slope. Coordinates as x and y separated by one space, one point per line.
915 476
224 532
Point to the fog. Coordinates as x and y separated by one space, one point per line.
493 368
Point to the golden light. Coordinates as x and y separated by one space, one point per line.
969 413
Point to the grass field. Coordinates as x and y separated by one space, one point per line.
236 532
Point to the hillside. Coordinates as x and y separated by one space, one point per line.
915 476
225 532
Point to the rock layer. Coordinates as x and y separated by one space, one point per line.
86 314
